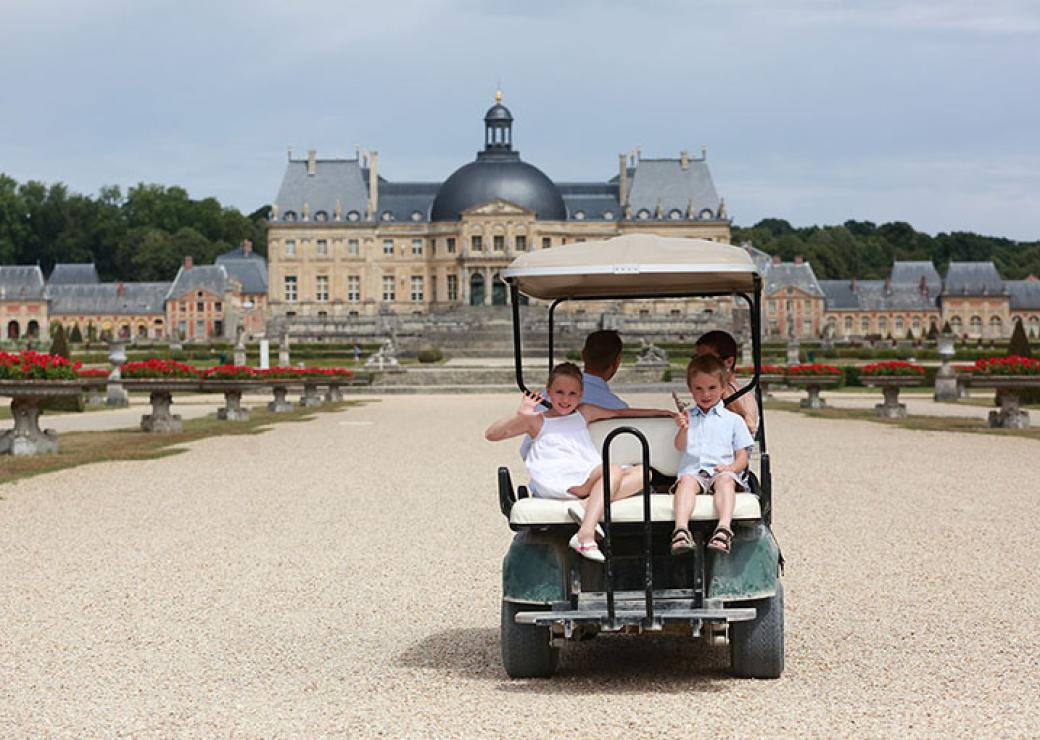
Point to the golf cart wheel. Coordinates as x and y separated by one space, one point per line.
526 650
757 646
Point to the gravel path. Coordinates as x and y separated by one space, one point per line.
341 575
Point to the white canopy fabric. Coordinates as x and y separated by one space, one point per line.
630 265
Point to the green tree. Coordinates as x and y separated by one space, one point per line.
1019 343
60 346
75 336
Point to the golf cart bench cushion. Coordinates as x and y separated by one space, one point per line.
536 511
626 449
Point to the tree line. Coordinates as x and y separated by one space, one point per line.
140 235
865 250
145 233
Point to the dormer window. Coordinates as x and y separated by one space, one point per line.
579 215
289 216
416 216
608 215
387 216
675 214
321 216
353 216
643 214
706 214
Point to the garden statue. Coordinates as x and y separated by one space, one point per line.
650 355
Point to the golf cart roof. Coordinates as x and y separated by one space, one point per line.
633 265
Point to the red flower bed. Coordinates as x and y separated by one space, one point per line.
890 369
281 373
159 369
228 372
812 370
1013 365
764 369
94 372
307 373
328 373
30 365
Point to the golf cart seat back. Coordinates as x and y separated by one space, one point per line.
627 450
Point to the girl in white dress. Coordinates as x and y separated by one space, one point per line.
563 462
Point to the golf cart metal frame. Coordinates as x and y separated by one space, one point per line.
550 594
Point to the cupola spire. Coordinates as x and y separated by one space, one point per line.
498 127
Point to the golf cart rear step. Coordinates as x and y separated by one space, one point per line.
626 614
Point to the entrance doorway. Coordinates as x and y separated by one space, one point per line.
498 291
476 289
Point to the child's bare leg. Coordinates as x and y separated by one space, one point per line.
583 490
725 500
686 491
631 483
594 505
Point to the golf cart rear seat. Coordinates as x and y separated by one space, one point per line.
626 450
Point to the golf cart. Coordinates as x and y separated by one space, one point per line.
551 594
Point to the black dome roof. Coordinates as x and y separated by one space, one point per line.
490 178
498 173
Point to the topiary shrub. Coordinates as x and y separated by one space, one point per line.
59 345
430 353
1019 344
75 336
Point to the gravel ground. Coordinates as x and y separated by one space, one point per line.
341 576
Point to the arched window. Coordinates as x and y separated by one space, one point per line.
417 216
882 325
900 328
579 215
1034 326
13 330
289 216
33 329
864 324
353 216
706 214
976 325
848 324
387 216
956 325
476 289
608 215
675 214
996 327
142 331
643 214
915 323
321 216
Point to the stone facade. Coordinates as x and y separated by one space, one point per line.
23 302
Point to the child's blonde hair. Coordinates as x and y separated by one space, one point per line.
709 364
568 369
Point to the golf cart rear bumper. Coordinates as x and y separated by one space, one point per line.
633 614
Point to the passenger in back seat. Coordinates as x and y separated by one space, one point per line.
563 462
715 444
724 346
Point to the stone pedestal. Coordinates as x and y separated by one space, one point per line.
963 381
946 378
1009 415
161 420
27 438
812 399
310 398
233 410
891 408
116 394
96 396
793 352
280 404
334 393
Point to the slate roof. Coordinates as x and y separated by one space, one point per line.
592 199
240 253
73 274
761 259
797 275
251 273
404 199
664 181
212 278
333 178
911 272
1024 294
973 278
104 298
21 282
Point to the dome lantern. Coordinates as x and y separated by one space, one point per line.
498 127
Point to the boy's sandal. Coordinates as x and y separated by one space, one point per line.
721 539
682 541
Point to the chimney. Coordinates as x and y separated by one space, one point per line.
290 152
247 247
312 162
776 259
1031 278
188 262
888 286
922 285
622 179
684 160
373 185
120 289
852 284
704 152
798 259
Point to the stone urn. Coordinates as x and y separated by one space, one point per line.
890 386
812 385
946 378
1009 389
26 437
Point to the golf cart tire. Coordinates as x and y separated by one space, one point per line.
757 646
526 650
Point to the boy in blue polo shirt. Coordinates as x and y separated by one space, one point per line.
715 445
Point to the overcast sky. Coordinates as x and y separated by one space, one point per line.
815 111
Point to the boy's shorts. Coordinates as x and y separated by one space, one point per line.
707 480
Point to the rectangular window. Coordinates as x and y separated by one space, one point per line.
476 244
323 315
453 287
546 242
416 247
323 247
521 244
388 247
321 290
290 288
388 288
499 243
353 288
290 247
353 247
218 328
200 307
182 327
200 328
184 307
865 325
417 288
451 245
218 306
